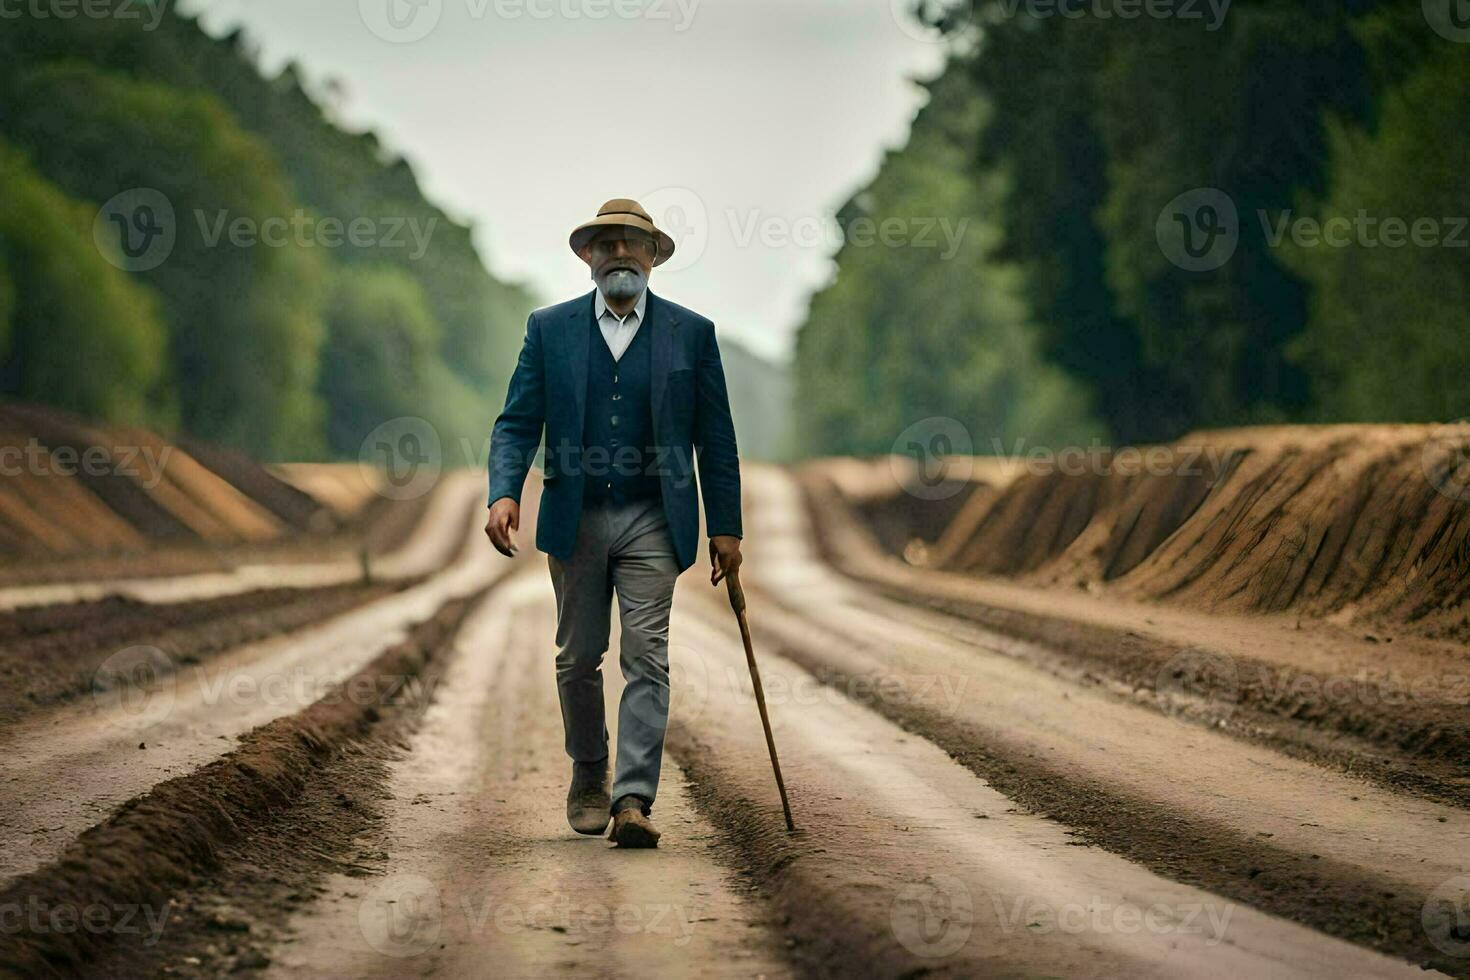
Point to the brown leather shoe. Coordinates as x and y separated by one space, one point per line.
587 800
632 829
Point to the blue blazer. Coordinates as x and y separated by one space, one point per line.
691 414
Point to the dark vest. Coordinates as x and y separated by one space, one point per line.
618 453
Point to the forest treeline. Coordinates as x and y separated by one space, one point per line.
1103 288
306 292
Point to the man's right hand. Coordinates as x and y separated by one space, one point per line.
505 518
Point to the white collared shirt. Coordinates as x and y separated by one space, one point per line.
619 332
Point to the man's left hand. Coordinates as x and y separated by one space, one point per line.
724 557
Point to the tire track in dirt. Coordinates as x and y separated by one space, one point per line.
158 844
481 866
1336 853
117 746
51 654
906 864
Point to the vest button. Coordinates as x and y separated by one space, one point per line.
617 397
614 420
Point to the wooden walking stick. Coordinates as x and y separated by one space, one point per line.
737 603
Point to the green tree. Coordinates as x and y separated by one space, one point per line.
1390 322
932 326
381 359
310 162
74 331
1102 122
1239 109
244 320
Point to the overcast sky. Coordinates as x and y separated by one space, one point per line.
741 124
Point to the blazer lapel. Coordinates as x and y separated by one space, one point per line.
661 321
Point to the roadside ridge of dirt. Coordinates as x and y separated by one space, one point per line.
84 496
1375 725
158 488
426 546
50 654
1370 523
293 506
159 842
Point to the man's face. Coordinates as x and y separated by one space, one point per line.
621 260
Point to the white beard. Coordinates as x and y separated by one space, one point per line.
621 283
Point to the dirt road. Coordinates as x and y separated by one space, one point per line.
963 811
481 863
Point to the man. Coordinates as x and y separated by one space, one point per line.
627 387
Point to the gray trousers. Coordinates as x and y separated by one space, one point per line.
624 549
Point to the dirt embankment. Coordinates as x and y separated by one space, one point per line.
142 855
80 500
1358 523
69 487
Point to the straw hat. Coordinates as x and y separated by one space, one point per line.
622 212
